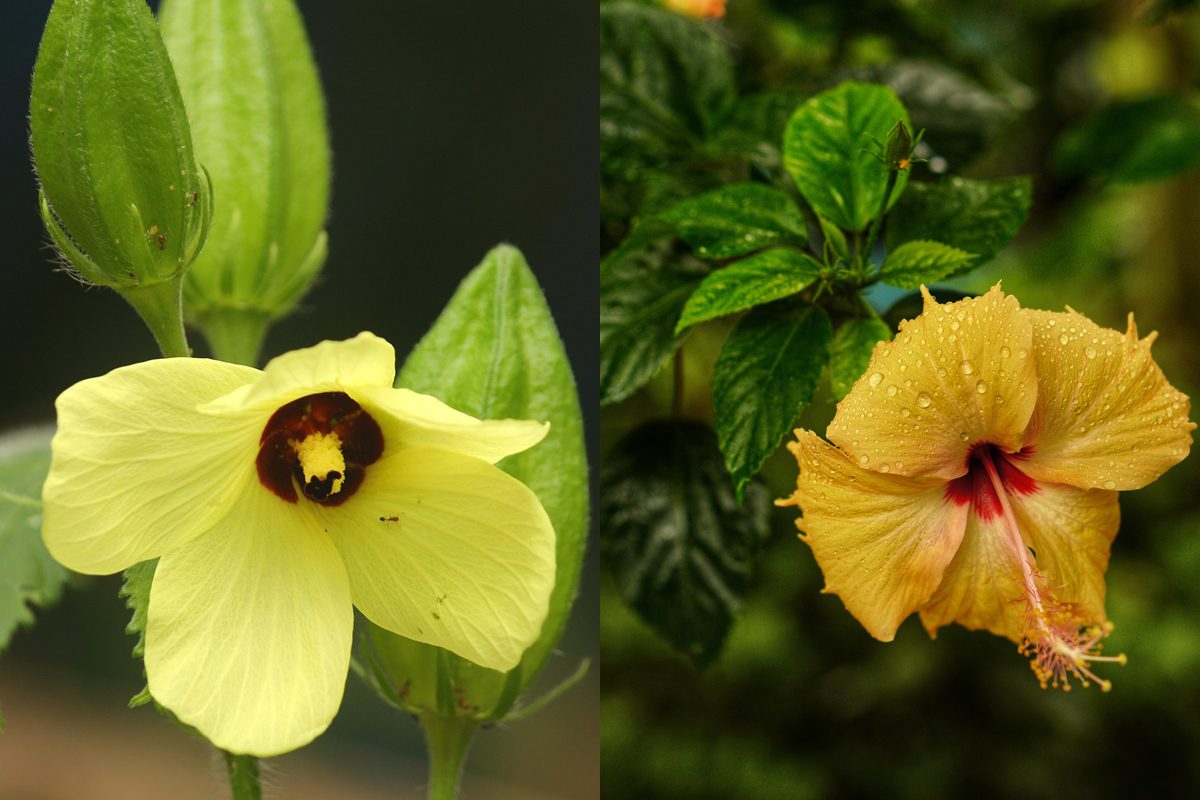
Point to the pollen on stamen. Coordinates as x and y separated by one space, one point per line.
1062 649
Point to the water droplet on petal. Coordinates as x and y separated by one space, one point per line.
967 367
875 379
1022 354
923 400
963 435
1064 339
891 391
863 460
1110 485
1090 352
1005 352
884 468
904 412
981 387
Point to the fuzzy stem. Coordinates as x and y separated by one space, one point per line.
160 306
449 739
243 777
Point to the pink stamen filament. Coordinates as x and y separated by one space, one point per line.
1058 646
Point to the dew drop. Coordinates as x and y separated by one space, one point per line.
967 367
875 379
1022 354
1005 352
999 400
884 468
981 387
891 391
1090 352
923 400
904 412
963 435
863 460
1064 339
1110 485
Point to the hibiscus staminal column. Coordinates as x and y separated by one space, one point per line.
1060 645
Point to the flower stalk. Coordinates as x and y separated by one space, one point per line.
449 740
243 776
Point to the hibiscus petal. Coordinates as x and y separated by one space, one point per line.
1071 531
448 550
365 360
882 541
249 628
957 375
1106 416
409 419
137 470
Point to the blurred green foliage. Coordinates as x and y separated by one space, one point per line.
802 702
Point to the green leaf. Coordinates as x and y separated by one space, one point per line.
754 128
830 149
1133 141
679 546
246 73
737 219
980 217
914 263
495 353
761 278
835 240
29 576
851 352
124 199
641 297
666 81
767 372
135 588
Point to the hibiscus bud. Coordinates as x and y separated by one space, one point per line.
897 152
258 119
121 195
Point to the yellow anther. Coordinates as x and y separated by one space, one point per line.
320 457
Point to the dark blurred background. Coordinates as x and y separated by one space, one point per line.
802 702
455 126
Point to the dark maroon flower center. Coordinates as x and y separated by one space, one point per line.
331 421
976 486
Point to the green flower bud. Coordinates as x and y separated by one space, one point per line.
121 195
258 119
897 152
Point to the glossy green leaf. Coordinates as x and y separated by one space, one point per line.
641 297
495 353
830 149
835 240
1133 141
752 281
246 72
666 81
29 577
980 217
922 262
123 198
767 372
674 537
737 219
754 128
851 351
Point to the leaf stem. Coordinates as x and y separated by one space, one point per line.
160 306
243 776
449 739
873 230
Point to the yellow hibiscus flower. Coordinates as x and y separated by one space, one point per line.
276 499
976 471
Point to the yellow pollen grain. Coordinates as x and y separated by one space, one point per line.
321 454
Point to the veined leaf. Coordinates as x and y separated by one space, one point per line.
678 544
752 281
830 147
666 81
915 263
29 576
980 217
641 297
737 219
767 372
495 353
851 351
